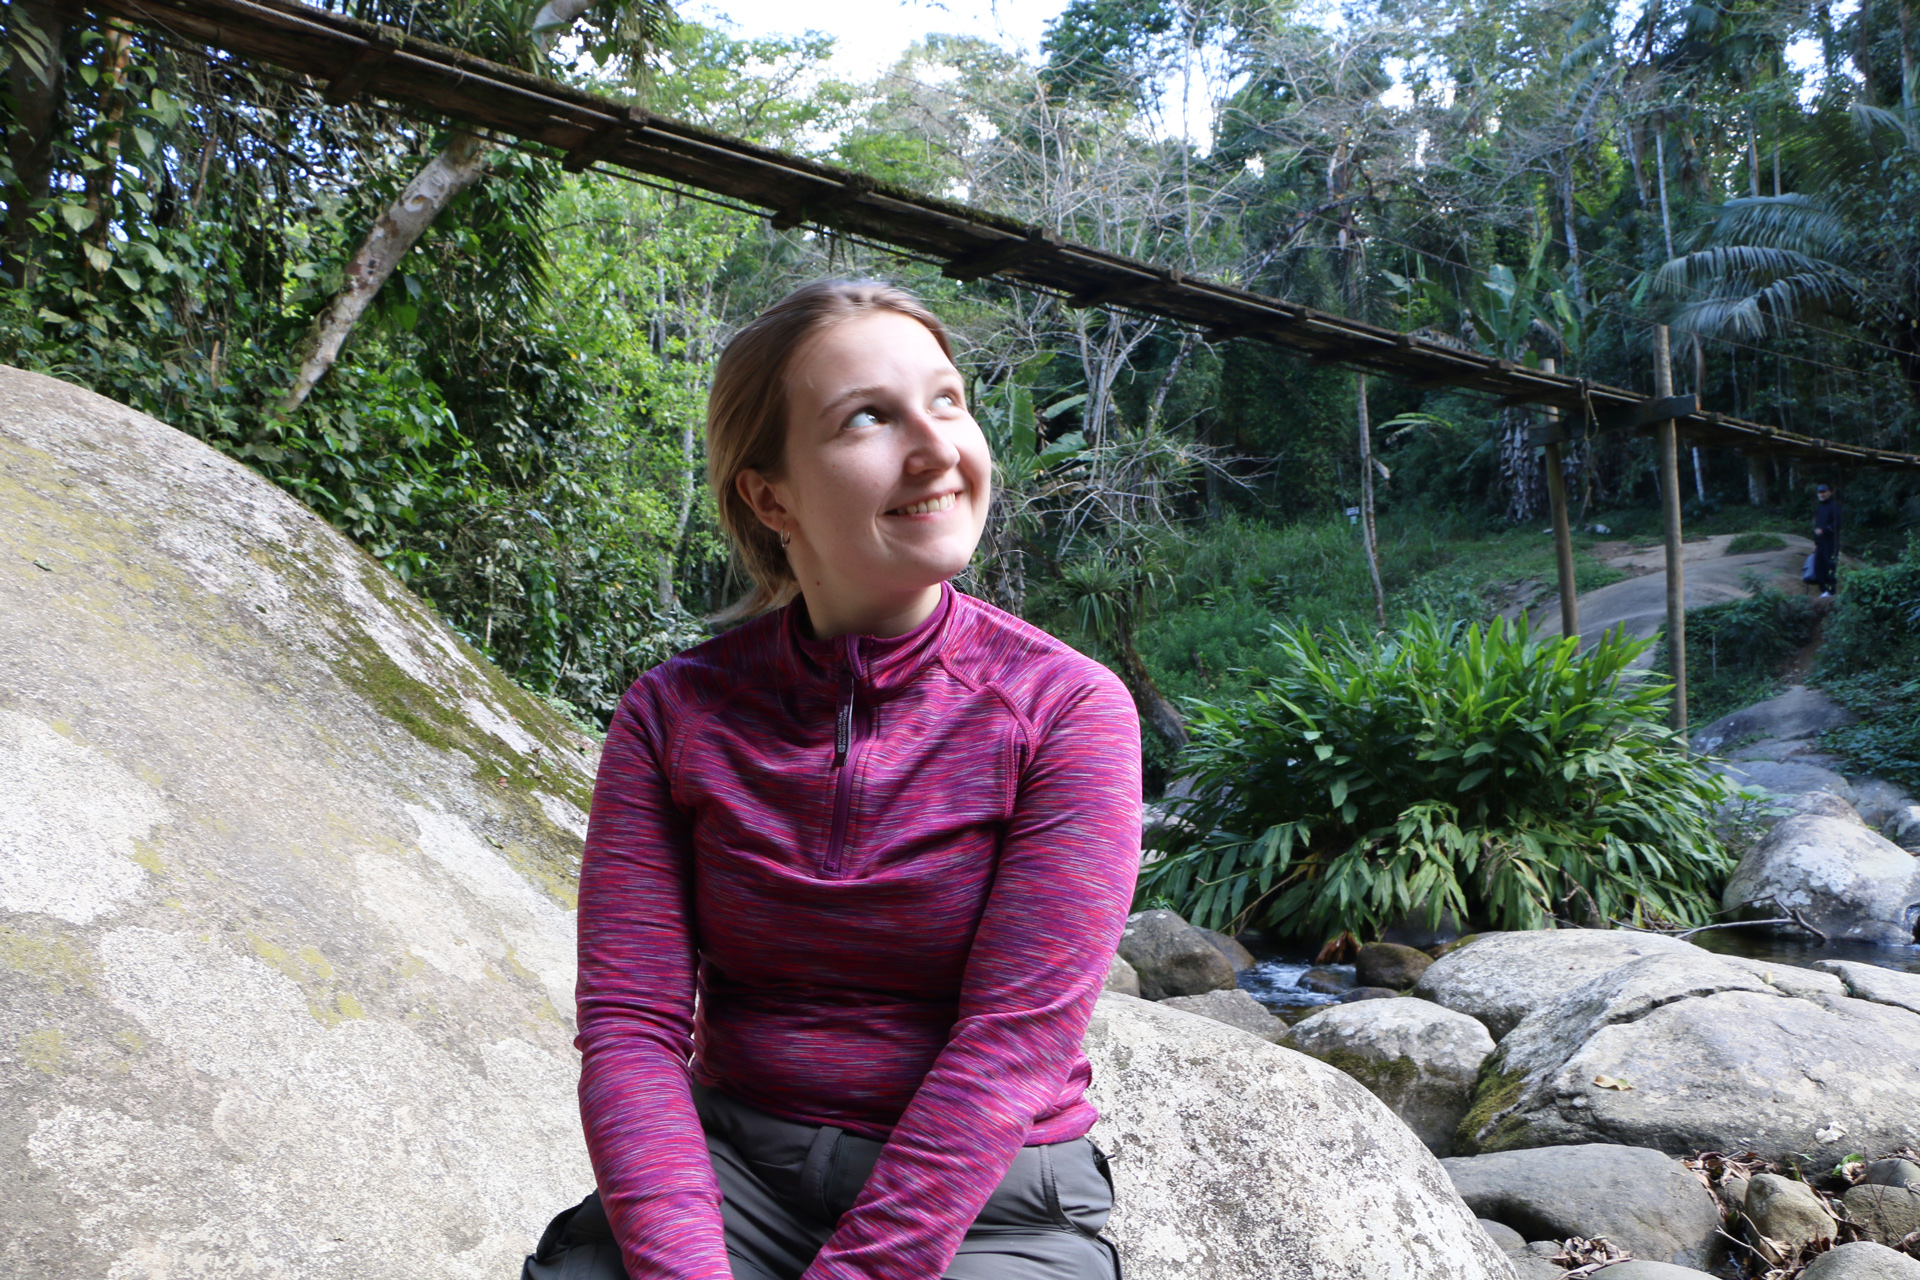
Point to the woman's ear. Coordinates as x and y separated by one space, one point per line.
761 498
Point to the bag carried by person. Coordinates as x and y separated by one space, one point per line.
1807 571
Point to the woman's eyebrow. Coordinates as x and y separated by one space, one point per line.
852 393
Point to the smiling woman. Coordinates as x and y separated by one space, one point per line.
855 869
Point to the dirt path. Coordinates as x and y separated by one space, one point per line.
1639 604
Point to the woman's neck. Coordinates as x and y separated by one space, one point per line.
828 619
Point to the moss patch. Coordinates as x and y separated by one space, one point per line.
1495 1092
1386 1079
61 963
45 1051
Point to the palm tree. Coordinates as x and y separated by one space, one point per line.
1849 255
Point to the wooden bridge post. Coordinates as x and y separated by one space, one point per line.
1562 532
1670 499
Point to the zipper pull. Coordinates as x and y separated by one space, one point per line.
843 716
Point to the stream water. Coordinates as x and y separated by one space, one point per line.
1275 979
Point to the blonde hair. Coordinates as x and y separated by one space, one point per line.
747 416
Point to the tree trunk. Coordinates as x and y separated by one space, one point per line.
1520 471
113 109
1161 715
462 164
1756 480
1660 162
1567 210
35 35
1367 534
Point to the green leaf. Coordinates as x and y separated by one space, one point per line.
77 216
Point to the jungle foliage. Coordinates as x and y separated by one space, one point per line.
1871 662
514 426
1442 767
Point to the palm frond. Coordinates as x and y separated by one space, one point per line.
1870 118
1797 223
1753 314
1734 267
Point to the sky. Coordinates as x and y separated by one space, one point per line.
870 34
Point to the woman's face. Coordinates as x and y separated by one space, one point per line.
886 481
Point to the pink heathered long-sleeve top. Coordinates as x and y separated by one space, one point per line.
894 872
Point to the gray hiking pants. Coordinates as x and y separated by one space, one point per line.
783 1187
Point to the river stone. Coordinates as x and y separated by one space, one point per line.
1413 1055
1235 1008
1712 1057
1354 994
1893 1173
1237 955
1871 982
1796 714
286 886
1850 883
1890 1214
1387 964
1327 980
1239 1160
1642 1269
1505 1237
1122 978
1172 957
1903 828
1638 1200
1501 977
1878 800
1788 1211
1862 1260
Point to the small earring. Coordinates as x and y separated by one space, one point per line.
786 539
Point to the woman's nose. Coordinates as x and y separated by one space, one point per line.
932 447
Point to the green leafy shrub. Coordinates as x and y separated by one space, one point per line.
1747 544
1736 650
1450 767
1870 662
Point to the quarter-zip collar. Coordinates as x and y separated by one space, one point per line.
879 663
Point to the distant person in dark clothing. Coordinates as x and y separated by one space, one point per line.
1826 540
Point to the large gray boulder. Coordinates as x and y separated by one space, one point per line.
286 879
1418 1058
1499 978
1235 1159
1797 714
1878 800
1850 883
1697 1052
1235 1008
1638 1200
1872 982
1172 957
1787 778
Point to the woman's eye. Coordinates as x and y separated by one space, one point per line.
864 418
946 400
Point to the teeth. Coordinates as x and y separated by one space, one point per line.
928 507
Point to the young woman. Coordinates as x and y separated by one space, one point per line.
855 868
